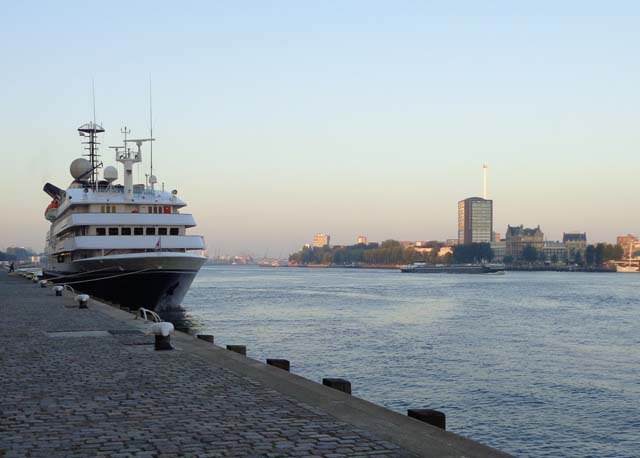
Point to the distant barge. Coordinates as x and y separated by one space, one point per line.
422 268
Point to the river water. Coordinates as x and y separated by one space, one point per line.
532 363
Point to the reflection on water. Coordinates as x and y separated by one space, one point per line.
536 364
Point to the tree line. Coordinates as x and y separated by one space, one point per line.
391 252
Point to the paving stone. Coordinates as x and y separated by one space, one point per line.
94 392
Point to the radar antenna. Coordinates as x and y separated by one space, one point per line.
128 159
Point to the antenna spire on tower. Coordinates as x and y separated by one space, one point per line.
484 181
150 125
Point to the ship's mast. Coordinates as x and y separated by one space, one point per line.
91 130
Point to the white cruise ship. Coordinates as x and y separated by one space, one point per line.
125 243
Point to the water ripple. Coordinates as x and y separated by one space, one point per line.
536 364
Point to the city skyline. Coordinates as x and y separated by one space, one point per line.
373 121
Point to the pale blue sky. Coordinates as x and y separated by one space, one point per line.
276 120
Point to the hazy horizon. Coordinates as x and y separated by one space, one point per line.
277 121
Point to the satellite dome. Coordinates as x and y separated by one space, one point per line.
80 168
110 173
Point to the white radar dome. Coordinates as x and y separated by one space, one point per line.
80 168
110 173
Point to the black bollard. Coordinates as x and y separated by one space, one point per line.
279 363
163 342
433 417
241 349
339 384
206 337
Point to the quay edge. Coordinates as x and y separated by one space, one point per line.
412 436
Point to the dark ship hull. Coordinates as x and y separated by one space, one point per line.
152 289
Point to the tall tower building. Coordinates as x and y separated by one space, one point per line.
475 220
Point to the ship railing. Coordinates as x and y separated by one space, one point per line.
136 192
148 315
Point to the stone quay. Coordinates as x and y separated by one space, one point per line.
79 382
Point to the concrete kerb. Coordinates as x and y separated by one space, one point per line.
413 435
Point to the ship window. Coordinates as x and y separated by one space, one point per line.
60 258
151 231
137 231
162 231
113 231
113 209
174 231
125 231
101 231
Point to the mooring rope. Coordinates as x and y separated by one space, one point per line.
107 278
53 280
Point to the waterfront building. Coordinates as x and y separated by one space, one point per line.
519 237
499 248
451 242
576 244
495 236
321 240
629 243
361 240
475 220
555 251
444 250
626 239
419 244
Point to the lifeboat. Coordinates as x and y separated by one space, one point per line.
52 211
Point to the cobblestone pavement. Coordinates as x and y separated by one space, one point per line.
112 395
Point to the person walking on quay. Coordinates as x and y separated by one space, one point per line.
12 267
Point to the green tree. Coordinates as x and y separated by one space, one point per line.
599 255
472 252
410 256
618 252
589 255
529 253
